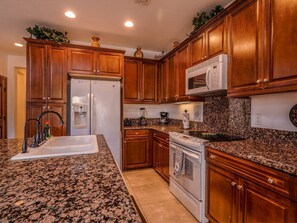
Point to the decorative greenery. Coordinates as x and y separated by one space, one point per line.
45 33
201 18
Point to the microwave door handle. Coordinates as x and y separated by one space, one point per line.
207 77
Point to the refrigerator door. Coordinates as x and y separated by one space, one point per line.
106 114
80 107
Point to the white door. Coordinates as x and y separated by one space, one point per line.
80 93
106 114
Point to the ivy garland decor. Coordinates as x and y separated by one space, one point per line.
201 18
45 33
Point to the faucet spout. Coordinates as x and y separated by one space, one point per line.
53 112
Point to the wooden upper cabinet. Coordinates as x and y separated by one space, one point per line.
245 67
81 61
164 82
131 81
172 79
281 45
197 49
36 73
57 74
183 64
149 82
216 39
140 80
110 64
47 73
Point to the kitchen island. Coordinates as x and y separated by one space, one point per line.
81 188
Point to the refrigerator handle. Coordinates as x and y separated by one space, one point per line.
93 115
89 115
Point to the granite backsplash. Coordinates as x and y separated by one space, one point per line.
233 116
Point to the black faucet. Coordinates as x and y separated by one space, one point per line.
35 142
39 119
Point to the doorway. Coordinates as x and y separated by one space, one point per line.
3 107
20 102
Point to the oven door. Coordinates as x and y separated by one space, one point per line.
190 180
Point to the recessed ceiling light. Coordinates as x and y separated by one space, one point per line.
18 44
129 24
70 14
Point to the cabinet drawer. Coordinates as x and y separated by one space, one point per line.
136 133
265 176
162 136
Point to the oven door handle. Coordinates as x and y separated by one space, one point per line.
192 155
207 77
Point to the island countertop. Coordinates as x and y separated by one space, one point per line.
81 188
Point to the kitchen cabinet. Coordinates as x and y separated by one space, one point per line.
3 107
209 43
33 111
140 81
161 154
137 149
95 62
170 79
262 50
241 191
46 73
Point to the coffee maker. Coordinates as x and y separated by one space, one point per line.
164 118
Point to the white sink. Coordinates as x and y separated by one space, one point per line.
62 146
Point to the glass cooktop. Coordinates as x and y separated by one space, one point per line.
211 136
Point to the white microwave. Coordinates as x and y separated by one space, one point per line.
207 77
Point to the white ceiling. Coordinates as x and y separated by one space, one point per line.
157 25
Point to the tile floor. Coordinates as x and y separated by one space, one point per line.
154 199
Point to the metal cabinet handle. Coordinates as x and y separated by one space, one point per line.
270 180
233 183
239 187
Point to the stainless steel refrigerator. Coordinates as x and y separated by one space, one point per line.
96 109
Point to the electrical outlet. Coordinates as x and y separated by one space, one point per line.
258 119
198 112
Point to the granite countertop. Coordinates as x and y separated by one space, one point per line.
80 188
283 158
161 128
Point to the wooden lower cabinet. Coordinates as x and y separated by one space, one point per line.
137 150
242 191
161 154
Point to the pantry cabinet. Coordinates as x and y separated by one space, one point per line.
161 154
140 81
95 62
137 149
241 191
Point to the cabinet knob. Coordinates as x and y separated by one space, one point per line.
43 98
43 107
265 80
160 145
259 81
98 71
270 180
48 107
94 71
136 133
125 141
48 98
212 156
204 56
233 184
239 187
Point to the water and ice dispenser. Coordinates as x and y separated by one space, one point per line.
79 112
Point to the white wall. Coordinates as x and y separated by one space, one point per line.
13 62
272 111
3 64
153 111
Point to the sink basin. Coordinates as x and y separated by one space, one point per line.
62 146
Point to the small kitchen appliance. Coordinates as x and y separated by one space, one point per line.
164 118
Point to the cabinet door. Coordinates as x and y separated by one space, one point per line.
164 81
57 74
131 81
157 156
172 83
215 36
165 163
197 50
36 73
55 126
110 64
282 44
246 67
81 61
148 80
261 205
136 153
220 195
183 64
